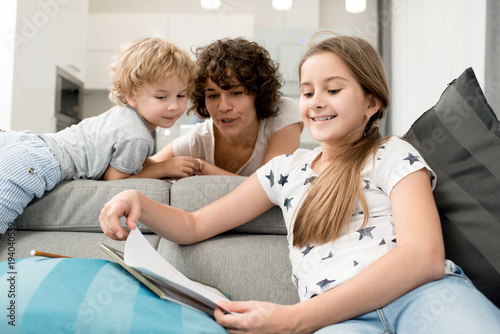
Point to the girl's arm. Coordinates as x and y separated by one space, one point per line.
417 260
232 210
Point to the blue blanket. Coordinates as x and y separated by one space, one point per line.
42 295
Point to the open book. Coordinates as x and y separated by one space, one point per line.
142 261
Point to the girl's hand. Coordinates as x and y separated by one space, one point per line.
254 317
125 204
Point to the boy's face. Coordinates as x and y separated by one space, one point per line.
162 103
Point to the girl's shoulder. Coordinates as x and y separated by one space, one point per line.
395 159
301 158
394 145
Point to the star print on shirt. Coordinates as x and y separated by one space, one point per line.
367 184
330 255
358 213
355 263
309 180
288 204
382 243
307 250
324 282
412 158
283 180
304 168
296 279
366 232
271 177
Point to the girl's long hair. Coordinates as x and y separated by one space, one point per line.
329 203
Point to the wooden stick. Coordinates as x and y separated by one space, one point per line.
38 253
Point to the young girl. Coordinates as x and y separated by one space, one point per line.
151 83
363 230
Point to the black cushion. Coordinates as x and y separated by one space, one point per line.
460 140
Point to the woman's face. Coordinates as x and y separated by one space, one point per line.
232 111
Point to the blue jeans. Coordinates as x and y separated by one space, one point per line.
449 305
28 169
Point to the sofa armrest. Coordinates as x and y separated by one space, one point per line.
76 205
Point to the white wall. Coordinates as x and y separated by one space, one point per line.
49 33
433 42
7 44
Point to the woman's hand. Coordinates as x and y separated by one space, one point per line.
255 317
125 204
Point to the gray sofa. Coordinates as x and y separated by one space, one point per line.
249 262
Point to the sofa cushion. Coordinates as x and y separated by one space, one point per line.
88 296
76 205
193 193
460 139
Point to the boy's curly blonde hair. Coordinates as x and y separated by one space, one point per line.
148 60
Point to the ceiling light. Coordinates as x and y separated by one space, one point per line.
355 6
282 4
210 4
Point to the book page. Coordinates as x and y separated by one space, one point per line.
140 255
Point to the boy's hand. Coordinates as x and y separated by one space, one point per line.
125 204
182 166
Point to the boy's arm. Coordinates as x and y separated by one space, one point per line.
173 167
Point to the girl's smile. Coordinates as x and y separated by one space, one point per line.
333 105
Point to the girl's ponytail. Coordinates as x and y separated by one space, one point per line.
329 204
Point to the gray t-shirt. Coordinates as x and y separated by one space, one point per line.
199 142
119 138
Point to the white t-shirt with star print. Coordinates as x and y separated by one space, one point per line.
318 268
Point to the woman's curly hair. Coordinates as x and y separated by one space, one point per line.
249 63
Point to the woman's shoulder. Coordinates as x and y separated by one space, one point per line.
288 113
288 106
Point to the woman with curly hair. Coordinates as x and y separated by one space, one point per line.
248 121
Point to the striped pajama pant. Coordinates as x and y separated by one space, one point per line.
28 168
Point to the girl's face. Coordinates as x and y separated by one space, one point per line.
333 105
232 111
162 103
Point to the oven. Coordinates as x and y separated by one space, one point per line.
69 99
